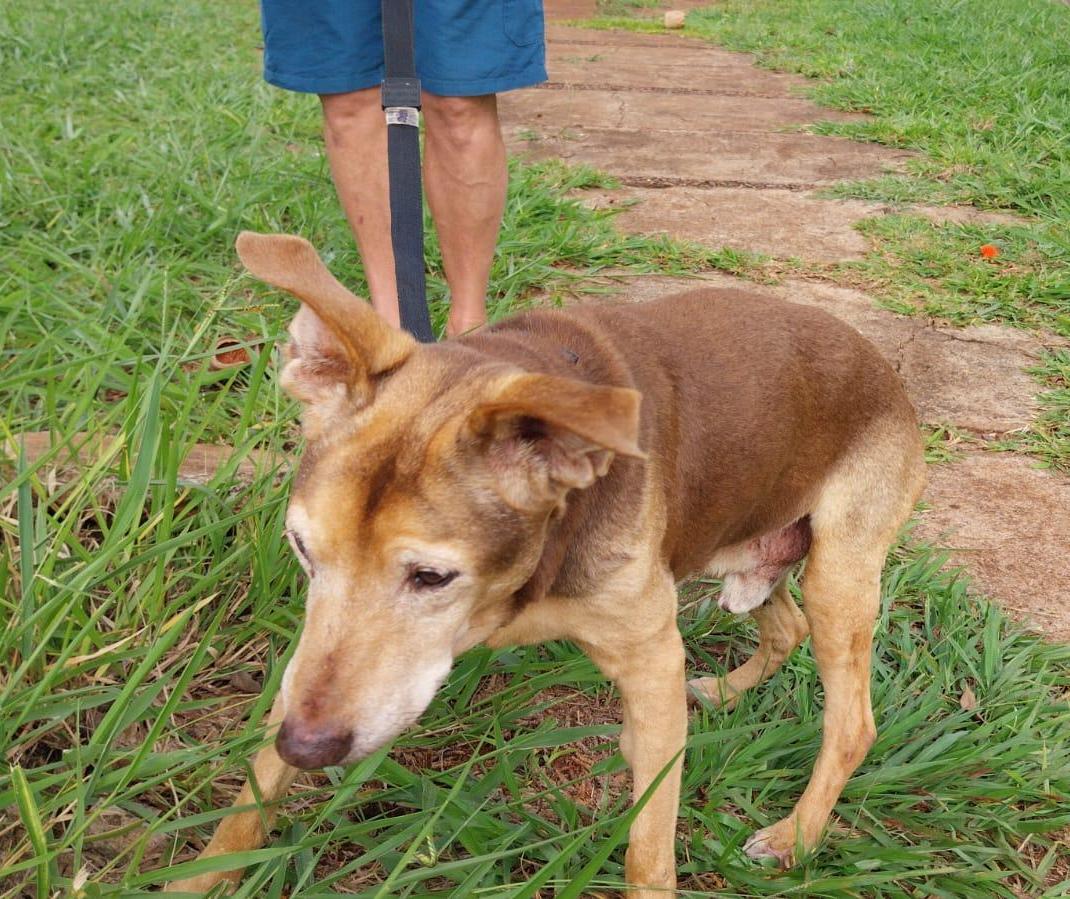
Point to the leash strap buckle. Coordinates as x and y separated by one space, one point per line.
402 115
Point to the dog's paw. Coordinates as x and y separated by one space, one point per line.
776 841
711 691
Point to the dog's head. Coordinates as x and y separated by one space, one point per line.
420 506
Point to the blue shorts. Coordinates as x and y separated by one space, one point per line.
464 48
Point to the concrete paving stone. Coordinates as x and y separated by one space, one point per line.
634 111
772 160
646 73
624 59
975 378
640 288
570 9
198 466
599 53
558 35
779 223
1009 526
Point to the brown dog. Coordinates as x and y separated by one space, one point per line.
553 477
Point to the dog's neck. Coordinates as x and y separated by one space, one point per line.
552 343
548 567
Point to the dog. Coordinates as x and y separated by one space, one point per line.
554 476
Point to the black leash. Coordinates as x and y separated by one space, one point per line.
401 104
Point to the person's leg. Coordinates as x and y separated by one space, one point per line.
355 135
466 177
465 173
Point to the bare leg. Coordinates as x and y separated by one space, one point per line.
781 627
649 672
466 176
841 598
242 831
355 134
466 179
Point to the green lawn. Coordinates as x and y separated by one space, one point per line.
137 141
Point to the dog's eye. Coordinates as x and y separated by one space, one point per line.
298 546
430 579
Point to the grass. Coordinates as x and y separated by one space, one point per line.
937 269
1049 438
145 611
979 90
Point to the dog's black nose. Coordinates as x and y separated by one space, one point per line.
305 746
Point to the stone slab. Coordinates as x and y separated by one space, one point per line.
634 111
1009 526
198 466
645 73
570 9
778 223
601 52
772 160
558 34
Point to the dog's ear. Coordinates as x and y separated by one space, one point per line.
339 342
543 435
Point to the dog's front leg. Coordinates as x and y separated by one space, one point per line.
650 676
248 829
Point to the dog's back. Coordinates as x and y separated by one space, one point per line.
748 403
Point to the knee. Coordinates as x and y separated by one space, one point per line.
461 123
351 115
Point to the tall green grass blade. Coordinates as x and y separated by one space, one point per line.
31 819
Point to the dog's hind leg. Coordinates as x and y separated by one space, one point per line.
854 524
781 627
247 829
841 598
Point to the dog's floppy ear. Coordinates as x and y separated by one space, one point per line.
339 342
543 435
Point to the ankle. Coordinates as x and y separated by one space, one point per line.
460 324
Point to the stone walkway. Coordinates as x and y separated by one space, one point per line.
705 146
